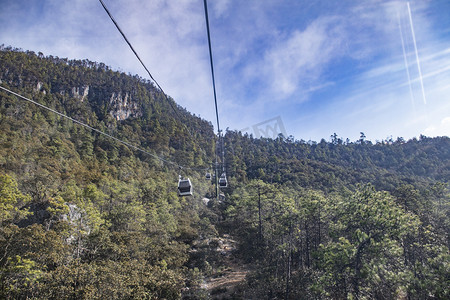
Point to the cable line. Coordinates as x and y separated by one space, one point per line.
212 73
101 132
142 63
148 72
211 63
222 180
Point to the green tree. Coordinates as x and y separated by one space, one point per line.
364 257
12 201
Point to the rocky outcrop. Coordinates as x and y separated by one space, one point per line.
77 219
77 92
122 107
80 93
40 88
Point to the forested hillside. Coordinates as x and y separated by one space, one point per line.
332 165
84 216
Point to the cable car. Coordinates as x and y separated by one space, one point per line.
184 187
223 183
208 176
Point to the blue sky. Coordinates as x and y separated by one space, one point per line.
323 67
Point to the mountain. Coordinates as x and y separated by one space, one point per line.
331 165
94 214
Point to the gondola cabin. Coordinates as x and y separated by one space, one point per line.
223 183
184 187
208 176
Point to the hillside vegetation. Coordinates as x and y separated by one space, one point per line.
86 217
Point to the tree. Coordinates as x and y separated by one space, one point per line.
12 201
364 257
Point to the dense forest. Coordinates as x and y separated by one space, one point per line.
84 216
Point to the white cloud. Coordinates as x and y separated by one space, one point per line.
297 61
440 129
221 7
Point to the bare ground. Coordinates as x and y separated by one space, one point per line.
222 283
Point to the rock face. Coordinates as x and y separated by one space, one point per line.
74 215
122 106
39 88
80 93
77 219
77 92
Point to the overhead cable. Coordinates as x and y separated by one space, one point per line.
140 60
211 63
146 69
219 133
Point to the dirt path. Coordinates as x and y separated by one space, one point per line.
222 283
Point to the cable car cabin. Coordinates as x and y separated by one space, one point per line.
208 176
184 187
223 183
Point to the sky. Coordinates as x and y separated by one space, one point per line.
304 68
